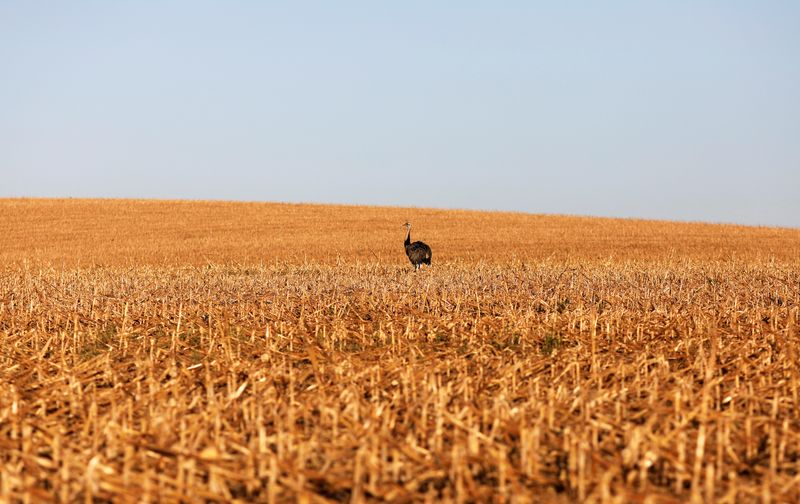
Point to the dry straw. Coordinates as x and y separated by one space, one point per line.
649 377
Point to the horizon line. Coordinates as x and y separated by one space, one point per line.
414 207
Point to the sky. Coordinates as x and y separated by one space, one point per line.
684 110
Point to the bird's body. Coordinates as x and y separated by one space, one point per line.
418 253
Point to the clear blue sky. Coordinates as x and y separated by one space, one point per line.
677 110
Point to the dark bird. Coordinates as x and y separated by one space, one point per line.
418 253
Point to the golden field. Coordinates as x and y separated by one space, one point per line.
209 351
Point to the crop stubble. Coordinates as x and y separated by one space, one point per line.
279 352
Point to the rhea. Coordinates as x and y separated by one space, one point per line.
418 253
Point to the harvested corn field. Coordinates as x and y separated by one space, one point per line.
185 351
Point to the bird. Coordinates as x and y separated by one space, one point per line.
418 253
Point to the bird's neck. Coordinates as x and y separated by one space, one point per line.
408 236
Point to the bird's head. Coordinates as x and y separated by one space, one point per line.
407 225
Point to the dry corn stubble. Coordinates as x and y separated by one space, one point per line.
541 358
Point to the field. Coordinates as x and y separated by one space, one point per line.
207 351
